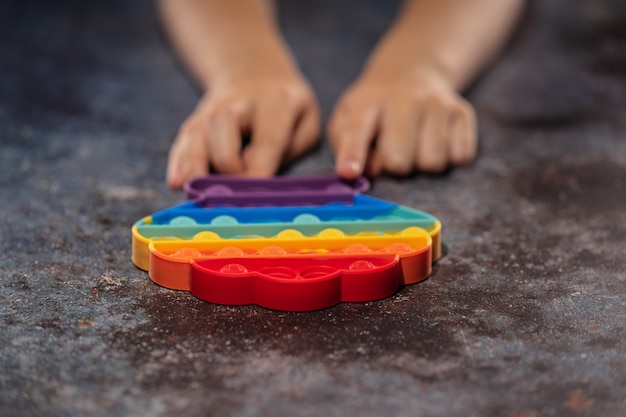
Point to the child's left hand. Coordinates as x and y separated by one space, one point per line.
401 124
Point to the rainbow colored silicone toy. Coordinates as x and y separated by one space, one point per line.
286 243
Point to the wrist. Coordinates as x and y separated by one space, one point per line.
243 60
240 68
407 54
420 71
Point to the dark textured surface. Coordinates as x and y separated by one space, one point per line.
523 317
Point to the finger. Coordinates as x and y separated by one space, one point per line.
351 132
188 156
306 133
224 140
272 127
432 146
397 139
463 137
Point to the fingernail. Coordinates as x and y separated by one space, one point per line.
349 167
173 179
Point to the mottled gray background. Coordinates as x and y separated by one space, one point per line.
523 317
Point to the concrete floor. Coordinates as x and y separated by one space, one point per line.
523 317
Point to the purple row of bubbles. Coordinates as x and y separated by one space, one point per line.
221 190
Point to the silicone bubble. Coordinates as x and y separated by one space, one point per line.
398 248
272 251
224 220
338 188
306 218
218 189
290 234
331 233
230 251
182 221
234 269
412 231
206 235
361 265
187 253
356 248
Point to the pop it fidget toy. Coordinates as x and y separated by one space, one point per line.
286 243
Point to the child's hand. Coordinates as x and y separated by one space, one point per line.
279 112
252 87
400 124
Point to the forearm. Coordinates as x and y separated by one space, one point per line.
222 40
453 37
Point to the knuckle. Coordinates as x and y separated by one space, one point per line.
345 108
219 111
464 152
220 161
188 127
350 120
434 164
350 124
463 108
417 98
284 92
269 140
468 112
461 158
396 164
442 101
292 94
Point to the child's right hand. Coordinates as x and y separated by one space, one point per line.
252 87
279 111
